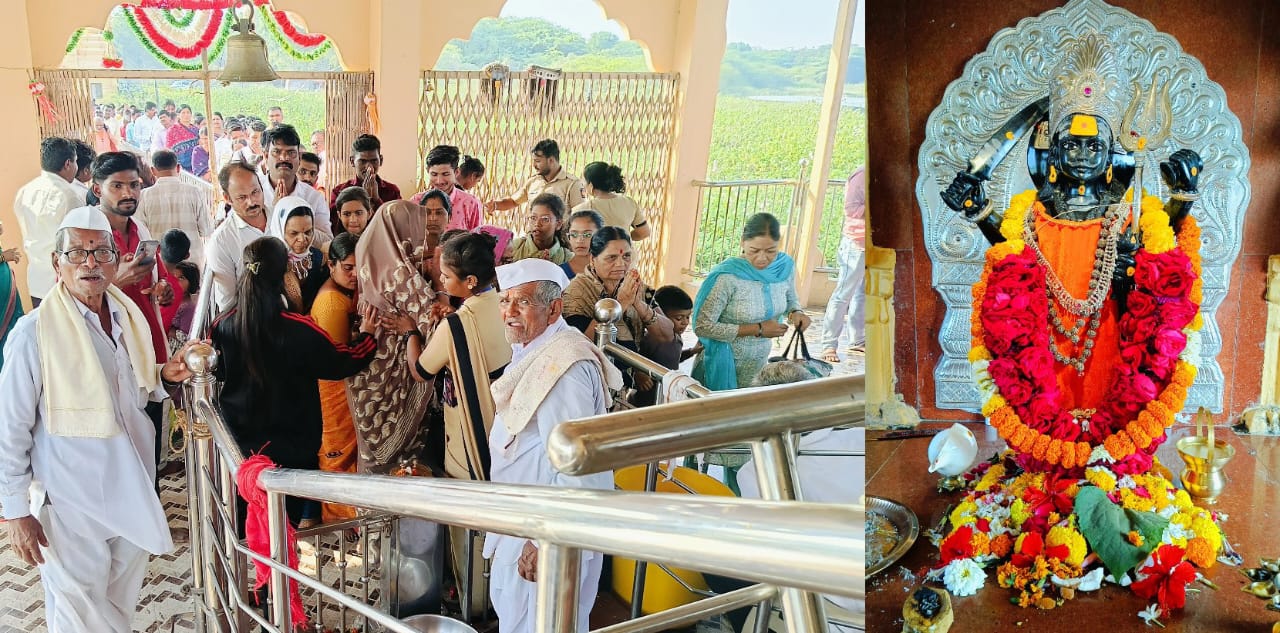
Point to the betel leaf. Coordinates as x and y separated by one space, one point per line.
1106 527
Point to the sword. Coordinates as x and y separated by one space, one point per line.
1002 141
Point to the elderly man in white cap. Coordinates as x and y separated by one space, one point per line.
76 447
556 374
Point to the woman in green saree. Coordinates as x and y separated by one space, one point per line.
10 302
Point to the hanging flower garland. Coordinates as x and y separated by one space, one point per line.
75 39
298 45
162 52
1158 347
176 42
179 18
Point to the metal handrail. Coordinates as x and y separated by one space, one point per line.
605 442
810 546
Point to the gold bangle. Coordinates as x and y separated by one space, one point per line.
982 215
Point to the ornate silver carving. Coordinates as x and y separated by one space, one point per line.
1017 68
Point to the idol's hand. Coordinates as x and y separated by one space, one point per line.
965 194
1182 171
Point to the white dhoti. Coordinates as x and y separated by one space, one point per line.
516 599
90 585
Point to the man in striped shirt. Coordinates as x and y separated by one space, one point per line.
172 203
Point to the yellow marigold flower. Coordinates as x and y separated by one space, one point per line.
1101 478
1182 500
1201 553
1135 538
1134 502
1157 235
964 513
978 353
992 404
1006 574
981 543
1001 546
1016 215
1205 528
1063 535
1198 322
993 475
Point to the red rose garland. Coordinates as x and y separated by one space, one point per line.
1012 332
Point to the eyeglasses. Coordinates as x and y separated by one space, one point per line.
540 220
79 256
584 235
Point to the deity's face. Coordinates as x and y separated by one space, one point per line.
1083 157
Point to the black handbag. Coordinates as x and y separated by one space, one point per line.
797 350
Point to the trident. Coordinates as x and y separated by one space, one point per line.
1146 123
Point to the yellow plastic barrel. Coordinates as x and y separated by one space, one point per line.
661 592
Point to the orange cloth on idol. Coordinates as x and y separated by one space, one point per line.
1069 248
332 310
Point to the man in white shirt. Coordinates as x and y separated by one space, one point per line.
224 252
224 146
143 127
76 468
160 133
556 374
40 206
284 149
171 203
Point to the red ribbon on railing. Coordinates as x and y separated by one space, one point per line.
257 531
46 106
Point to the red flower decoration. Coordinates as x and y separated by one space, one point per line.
1033 546
1166 579
1168 274
109 62
959 544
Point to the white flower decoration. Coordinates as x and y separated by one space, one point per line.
1151 615
1100 454
1191 353
964 577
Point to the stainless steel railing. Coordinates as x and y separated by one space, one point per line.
630 438
811 549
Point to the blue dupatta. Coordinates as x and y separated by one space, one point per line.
719 370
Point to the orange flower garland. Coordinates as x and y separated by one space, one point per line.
1151 421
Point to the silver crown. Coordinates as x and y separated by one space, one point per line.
1088 81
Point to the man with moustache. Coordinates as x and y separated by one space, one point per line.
556 374
549 177
75 473
283 151
117 182
224 252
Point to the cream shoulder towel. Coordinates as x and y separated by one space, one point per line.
523 386
79 400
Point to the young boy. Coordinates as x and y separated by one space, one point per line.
677 306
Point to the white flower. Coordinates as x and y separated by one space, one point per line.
1151 615
982 379
1100 454
964 577
1191 353
1175 531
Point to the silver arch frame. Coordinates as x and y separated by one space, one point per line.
1016 69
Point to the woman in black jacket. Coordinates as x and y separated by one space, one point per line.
270 361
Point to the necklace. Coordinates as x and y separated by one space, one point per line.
1088 310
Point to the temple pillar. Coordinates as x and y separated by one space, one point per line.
699 48
20 162
1264 417
809 227
395 43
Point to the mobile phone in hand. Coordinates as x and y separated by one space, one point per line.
146 253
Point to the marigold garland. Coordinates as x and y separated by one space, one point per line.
1149 424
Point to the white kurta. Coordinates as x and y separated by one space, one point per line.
523 460
95 497
40 206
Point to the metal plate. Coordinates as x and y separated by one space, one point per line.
903 520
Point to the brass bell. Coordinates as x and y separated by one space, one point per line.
246 52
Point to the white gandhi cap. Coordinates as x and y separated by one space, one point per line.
90 218
529 270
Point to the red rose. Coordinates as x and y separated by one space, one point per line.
1017 393
959 544
1045 411
1133 354
1008 321
1138 329
1177 313
1169 342
1100 424
1036 363
1161 366
1140 304
1165 275
1133 386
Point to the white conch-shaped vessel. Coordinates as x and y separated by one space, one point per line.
952 451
